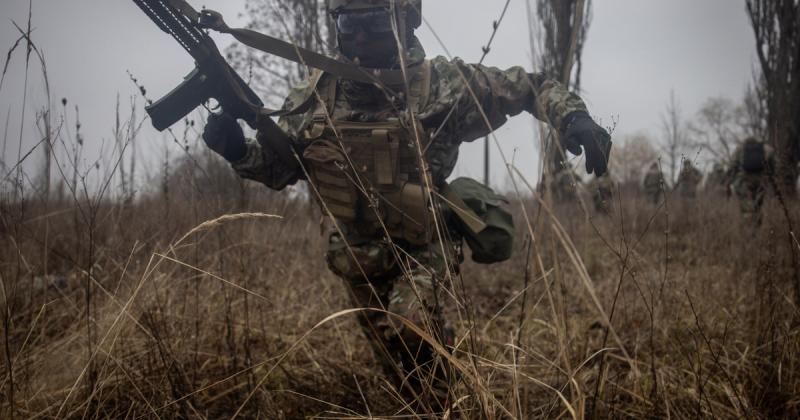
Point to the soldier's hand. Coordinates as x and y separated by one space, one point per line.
223 135
582 132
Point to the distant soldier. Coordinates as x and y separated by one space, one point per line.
653 183
601 190
565 184
689 179
753 162
717 182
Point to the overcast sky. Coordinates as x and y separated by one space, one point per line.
638 51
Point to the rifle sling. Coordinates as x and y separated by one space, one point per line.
210 19
292 52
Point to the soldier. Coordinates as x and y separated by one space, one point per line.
689 178
752 164
601 188
565 184
717 182
654 183
360 147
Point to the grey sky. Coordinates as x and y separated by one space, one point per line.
637 52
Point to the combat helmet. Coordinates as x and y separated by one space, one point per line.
413 8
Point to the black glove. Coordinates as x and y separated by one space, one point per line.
223 135
582 131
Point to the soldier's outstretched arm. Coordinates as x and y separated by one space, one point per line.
504 93
248 157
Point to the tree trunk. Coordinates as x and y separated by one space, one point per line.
776 26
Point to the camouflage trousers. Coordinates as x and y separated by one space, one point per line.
402 281
750 189
601 197
653 195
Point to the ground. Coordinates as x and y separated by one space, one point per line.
681 310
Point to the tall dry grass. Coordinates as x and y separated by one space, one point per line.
191 300
677 311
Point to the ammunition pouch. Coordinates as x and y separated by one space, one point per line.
367 175
486 226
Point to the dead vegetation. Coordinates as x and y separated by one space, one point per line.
678 311
193 300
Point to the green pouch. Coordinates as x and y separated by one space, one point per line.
492 242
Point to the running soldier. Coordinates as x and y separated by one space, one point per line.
377 158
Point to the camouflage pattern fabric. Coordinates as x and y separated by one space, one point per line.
500 94
602 192
653 184
689 180
564 186
412 293
750 189
402 281
717 181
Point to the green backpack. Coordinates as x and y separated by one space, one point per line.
481 219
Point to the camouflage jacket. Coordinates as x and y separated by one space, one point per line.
499 93
690 175
652 181
736 164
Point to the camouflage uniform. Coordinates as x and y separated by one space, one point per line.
718 182
653 183
689 179
565 184
750 186
395 275
601 189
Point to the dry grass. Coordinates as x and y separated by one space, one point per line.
702 317
195 302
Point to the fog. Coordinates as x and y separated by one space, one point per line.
637 52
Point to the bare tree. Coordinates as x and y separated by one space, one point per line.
716 128
631 157
557 37
675 138
303 22
45 126
776 25
562 28
119 141
752 114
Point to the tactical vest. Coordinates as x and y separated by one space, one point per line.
368 175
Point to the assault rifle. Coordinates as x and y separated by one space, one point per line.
212 78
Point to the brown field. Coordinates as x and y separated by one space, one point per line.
139 309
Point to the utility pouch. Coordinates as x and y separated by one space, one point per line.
407 214
367 176
486 226
332 178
